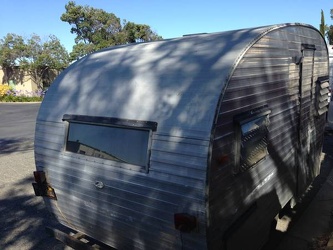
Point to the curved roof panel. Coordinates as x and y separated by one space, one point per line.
175 82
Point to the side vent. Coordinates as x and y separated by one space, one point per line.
322 95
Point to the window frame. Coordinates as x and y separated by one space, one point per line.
239 121
147 126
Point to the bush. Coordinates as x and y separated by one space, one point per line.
8 94
3 90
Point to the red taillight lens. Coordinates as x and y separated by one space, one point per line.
185 222
39 176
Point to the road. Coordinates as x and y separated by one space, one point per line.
17 126
23 216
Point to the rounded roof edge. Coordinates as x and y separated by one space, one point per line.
163 81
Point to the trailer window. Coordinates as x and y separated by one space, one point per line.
251 138
112 139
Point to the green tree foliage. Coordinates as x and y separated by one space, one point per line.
325 30
80 49
329 31
323 26
96 29
41 57
32 56
12 50
329 35
138 33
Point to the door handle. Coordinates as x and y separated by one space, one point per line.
99 184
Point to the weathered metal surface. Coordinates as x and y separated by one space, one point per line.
270 73
192 87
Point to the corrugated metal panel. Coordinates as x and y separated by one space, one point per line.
266 75
140 207
176 83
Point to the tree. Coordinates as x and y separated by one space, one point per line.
54 55
43 57
12 53
323 26
138 33
31 56
12 50
329 35
80 49
325 30
96 29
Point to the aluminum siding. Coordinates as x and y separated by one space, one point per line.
266 75
176 83
130 200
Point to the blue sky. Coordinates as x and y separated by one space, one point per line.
169 18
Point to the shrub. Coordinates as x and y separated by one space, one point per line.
8 94
3 90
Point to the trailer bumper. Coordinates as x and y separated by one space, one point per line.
77 240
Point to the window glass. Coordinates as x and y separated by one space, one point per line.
251 138
253 125
253 141
120 144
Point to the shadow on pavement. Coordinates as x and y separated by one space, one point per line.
12 145
23 219
23 216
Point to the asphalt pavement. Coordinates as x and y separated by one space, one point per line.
23 216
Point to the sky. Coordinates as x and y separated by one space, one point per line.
168 18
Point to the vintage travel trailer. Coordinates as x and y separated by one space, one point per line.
188 143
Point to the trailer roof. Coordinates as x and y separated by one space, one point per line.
176 82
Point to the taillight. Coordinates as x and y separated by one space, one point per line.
185 222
